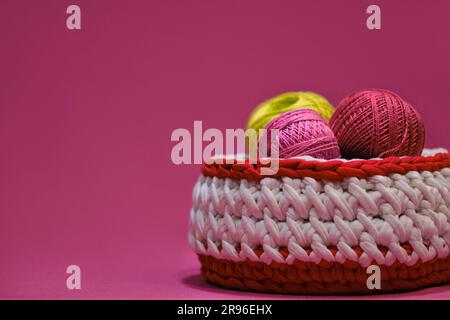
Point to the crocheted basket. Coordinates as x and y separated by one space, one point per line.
315 226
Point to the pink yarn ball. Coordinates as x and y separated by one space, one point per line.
304 132
377 123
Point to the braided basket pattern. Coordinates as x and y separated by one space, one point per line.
296 233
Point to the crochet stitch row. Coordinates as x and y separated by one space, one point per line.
334 170
325 278
305 198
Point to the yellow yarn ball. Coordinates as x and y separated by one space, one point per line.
285 102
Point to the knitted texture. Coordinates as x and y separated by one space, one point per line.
377 123
320 279
333 170
307 235
285 102
303 132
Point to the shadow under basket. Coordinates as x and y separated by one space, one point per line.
324 227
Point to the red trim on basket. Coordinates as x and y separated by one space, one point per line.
334 170
324 278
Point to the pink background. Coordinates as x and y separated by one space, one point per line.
86 118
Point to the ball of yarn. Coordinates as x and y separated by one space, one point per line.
285 102
377 123
303 132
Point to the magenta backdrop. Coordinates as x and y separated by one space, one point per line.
86 118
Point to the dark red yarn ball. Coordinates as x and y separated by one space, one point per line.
377 124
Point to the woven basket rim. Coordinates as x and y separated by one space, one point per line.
334 170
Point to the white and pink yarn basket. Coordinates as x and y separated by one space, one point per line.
317 225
